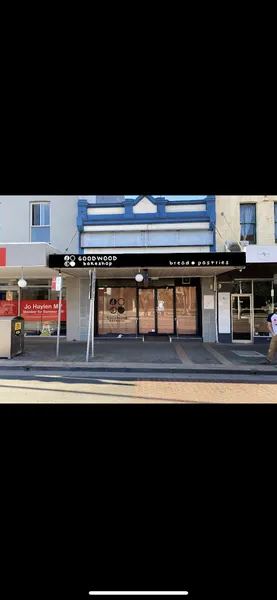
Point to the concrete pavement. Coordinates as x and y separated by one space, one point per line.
133 355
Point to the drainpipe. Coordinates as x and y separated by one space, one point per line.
215 311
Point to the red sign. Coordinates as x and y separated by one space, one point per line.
42 310
3 257
8 308
56 284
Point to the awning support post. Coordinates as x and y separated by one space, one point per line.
92 277
215 308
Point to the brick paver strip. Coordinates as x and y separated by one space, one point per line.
217 355
182 354
206 392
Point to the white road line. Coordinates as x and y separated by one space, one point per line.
138 593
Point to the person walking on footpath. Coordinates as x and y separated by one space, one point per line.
272 328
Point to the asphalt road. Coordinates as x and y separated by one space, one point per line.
127 388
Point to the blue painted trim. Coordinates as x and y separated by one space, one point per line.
144 220
155 201
193 216
81 249
176 202
82 214
161 217
210 207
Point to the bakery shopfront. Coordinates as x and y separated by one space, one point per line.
141 294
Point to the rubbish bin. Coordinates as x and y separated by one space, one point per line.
11 336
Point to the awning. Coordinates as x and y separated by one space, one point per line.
32 257
160 265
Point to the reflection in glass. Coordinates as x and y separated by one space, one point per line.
262 306
165 310
147 311
241 315
117 311
41 327
242 287
186 310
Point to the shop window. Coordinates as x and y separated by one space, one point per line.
275 220
117 311
39 308
8 303
242 287
262 306
248 223
40 222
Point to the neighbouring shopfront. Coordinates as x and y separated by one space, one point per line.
248 298
37 304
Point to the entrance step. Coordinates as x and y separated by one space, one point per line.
119 337
185 338
156 338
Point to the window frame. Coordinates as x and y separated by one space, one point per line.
246 223
39 226
275 222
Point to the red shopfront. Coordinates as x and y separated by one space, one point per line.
41 316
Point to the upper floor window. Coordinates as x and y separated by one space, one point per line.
40 222
275 220
248 223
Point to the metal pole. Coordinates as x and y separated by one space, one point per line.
90 315
216 308
19 301
59 319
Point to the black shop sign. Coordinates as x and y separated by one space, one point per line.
119 261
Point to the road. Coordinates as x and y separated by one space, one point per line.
124 388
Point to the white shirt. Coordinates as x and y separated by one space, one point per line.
273 320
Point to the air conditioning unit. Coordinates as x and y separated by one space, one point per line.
232 246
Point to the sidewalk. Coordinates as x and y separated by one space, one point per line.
135 356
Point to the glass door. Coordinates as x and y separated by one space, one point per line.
156 311
242 318
147 312
165 311
186 310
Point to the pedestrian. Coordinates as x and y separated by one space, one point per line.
272 328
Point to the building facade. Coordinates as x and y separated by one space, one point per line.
172 244
32 228
162 304
249 221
